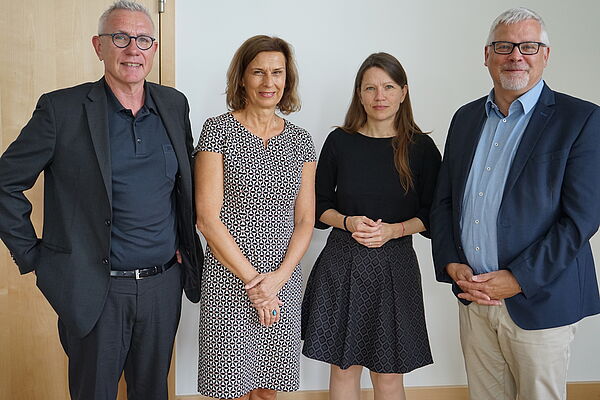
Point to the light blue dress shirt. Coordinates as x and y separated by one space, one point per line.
495 152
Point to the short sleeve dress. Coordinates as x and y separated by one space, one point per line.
261 183
364 306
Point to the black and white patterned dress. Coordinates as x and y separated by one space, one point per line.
236 353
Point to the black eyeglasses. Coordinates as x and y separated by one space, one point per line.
122 40
526 48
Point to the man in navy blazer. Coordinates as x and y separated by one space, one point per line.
516 205
119 240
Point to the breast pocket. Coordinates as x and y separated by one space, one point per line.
171 165
547 170
552 156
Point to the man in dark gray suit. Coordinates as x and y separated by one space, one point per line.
119 241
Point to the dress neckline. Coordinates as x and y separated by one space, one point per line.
264 144
373 137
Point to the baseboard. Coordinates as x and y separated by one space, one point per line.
575 391
583 391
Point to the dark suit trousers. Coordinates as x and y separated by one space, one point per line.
135 334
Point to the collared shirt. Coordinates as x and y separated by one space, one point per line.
495 152
144 167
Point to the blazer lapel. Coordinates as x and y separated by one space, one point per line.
96 108
175 131
541 115
471 137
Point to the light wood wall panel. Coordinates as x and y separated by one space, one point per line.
167 45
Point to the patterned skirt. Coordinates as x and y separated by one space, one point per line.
365 307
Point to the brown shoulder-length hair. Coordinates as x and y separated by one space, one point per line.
236 94
405 125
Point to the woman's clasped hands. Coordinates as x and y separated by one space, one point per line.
369 233
263 292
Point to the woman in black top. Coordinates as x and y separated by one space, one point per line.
363 304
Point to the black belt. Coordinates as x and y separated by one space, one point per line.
144 272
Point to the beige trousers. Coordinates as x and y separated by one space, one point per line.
505 362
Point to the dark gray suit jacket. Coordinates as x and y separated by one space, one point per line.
67 138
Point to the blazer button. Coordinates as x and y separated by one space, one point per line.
107 222
105 261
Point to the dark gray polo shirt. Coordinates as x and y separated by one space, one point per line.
144 167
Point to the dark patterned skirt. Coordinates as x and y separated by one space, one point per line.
365 307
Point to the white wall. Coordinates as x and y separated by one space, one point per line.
331 39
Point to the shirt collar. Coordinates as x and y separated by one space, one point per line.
527 100
116 105
149 101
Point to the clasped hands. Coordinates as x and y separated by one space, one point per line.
369 233
486 289
262 291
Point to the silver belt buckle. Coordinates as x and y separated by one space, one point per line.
137 274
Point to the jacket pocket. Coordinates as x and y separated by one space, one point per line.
554 155
55 248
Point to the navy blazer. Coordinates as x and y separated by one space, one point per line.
67 139
550 208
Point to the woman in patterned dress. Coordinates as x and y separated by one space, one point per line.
254 177
363 305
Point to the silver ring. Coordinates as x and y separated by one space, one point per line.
274 312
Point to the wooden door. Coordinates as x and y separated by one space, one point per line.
45 45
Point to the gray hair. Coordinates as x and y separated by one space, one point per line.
123 5
515 15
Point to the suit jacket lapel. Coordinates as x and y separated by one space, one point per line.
169 115
96 109
473 131
541 115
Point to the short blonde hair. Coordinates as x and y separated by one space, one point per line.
514 15
123 5
236 94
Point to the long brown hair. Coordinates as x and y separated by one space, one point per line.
236 94
405 125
